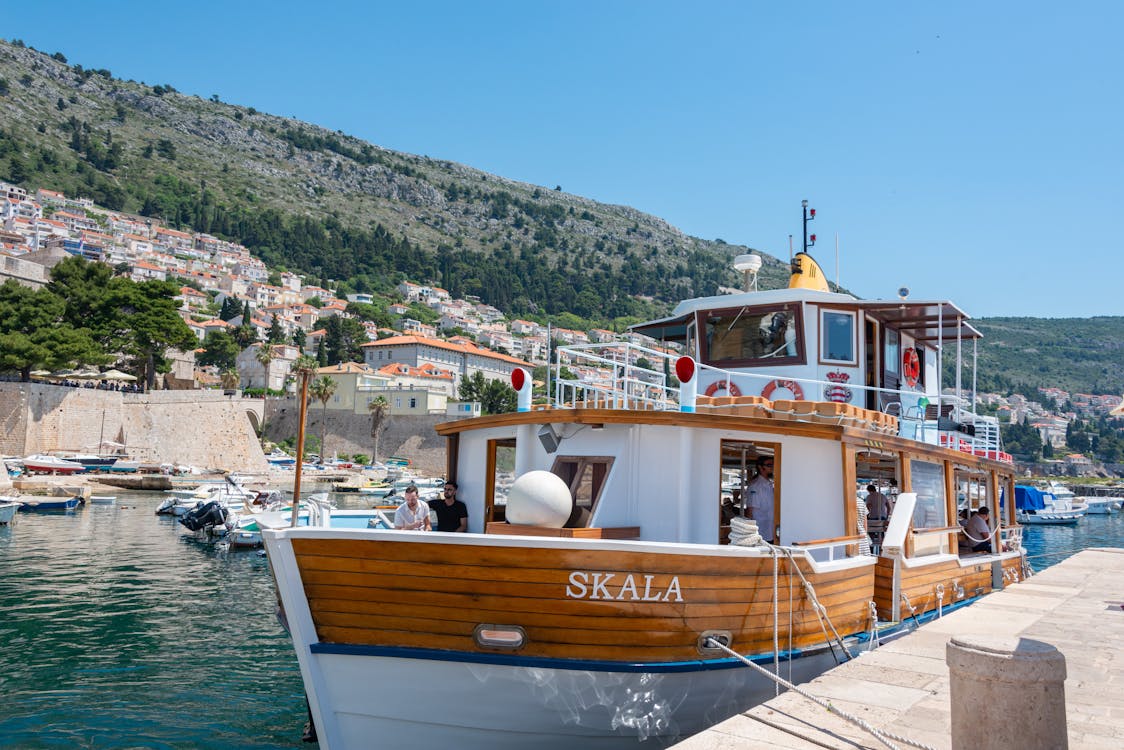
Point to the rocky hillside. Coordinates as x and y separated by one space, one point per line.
205 163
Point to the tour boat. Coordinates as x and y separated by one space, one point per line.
603 595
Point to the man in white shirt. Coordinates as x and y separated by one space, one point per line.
412 515
760 503
978 530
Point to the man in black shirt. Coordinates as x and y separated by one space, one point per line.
452 514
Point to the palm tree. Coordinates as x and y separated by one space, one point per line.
229 380
264 356
322 389
379 408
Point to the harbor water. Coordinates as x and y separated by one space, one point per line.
119 629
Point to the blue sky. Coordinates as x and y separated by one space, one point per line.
968 151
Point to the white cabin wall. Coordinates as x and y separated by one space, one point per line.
472 465
650 501
811 501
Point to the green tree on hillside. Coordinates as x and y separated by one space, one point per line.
343 338
220 350
495 396
33 335
138 322
275 335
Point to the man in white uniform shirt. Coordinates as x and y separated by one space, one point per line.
760 504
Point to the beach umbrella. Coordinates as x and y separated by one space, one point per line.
86 375
40 373
117 375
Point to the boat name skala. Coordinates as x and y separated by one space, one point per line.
589 585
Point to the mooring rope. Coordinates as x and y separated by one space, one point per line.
886 738
817 607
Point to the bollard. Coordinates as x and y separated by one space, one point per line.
1006 692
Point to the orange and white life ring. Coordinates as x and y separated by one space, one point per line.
911 367
720 385
791 385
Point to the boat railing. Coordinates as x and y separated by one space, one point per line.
1011 538
623 375
837 548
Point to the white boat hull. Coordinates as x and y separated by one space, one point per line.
8 510
1055 518
492 706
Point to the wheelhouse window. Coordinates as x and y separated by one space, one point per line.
893 351
745 337
586 477
837 337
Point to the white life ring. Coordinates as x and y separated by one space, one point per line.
791 385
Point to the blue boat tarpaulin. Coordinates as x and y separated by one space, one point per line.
1029 498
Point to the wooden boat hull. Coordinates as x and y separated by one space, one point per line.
616 624
922 587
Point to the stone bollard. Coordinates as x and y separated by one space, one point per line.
1006 692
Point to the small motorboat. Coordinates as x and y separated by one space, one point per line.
103 499
8 507
50 503
1036 507
51 464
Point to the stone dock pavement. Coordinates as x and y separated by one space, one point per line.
903 687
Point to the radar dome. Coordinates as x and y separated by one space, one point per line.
539 498
749 262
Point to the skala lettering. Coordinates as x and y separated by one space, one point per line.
615 587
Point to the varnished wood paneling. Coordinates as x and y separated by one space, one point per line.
434 595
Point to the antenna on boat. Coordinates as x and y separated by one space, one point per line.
809 215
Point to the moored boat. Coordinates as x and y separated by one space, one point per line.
51 464
603 575
8 507
33 504
1038 507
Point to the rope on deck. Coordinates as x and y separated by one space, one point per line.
886 738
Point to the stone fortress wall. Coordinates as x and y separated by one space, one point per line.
348 433
200 428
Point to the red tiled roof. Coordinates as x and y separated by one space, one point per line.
466 348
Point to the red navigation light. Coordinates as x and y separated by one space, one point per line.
813 212
518 378
813 238
684 369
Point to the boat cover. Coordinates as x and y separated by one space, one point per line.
1029 498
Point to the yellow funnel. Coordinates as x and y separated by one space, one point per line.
807 274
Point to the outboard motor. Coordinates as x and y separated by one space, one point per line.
207 514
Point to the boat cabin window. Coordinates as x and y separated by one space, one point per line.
501 473
892 351
927 480
738 470
973 491
879 469
745 337
586 477
837 337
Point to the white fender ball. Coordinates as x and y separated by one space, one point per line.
539 498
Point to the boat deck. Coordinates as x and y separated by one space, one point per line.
1075 606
